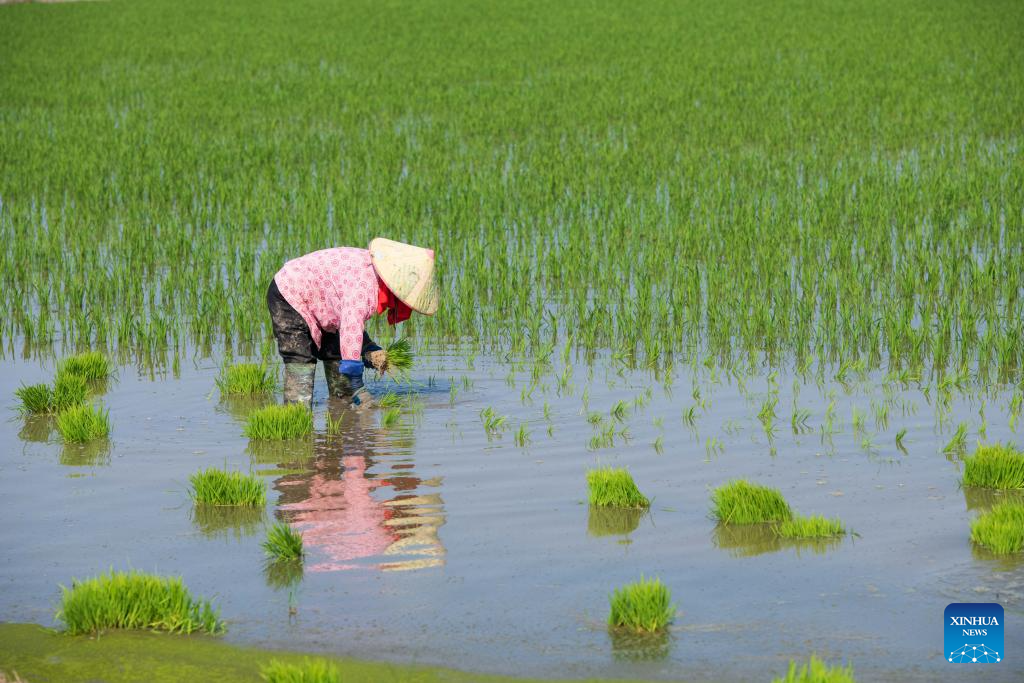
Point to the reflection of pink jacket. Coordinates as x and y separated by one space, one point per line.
341 518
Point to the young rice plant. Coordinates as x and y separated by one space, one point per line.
741 502
644 605
614 486
277 423
214 486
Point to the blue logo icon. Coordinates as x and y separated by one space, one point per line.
974 633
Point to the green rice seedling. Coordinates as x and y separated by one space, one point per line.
614 486
522 436
91 365
741 502
817 671
283 544
68 391
83 423
996 466
400 358
390 400
214 486
493 423
34 399
308 671
619 411
644 605
1001 529
135 600
958 442
274 423
390 417
246 379
814 526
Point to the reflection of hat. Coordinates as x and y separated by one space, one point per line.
408 272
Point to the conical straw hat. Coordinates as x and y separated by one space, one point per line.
408 272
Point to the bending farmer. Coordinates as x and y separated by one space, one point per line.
320 302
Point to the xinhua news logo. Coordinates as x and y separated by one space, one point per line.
974 633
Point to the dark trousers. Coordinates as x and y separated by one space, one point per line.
295 343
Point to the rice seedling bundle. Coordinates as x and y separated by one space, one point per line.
814 526
276 423
614 486
214 486
283 543
83 423
996 466
246 379
69 390
644 605
309 671
915 143
817 671
390 417
1001 529
135 600
34 398
400 358
741 502
91 365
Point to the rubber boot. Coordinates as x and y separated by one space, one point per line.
338 385
298 383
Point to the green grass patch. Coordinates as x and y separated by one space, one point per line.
135 600
390 417
275 423
83 423
69 390
283 543
91 365
1001 529
816 671
246 379
308 671
614 486
814 526
214 486
741 502
994 466
34 399
644 605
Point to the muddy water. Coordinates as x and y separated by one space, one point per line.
430 542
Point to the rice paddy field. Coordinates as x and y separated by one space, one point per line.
759 263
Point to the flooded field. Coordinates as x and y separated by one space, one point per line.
429 541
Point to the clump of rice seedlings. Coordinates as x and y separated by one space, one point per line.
283 544
814 526
390 400
83 423
493 423
214 486
246 379
817 671
135 600
400 358
741 502
34 399
390 417
91 365
1001 529
958 442
614 486
309 671
995 466
645 605
291 421
69 390
522 436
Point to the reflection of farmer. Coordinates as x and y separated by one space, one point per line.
319 303
347 515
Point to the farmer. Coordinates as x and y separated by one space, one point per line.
319 303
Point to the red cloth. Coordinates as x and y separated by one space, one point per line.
387 301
